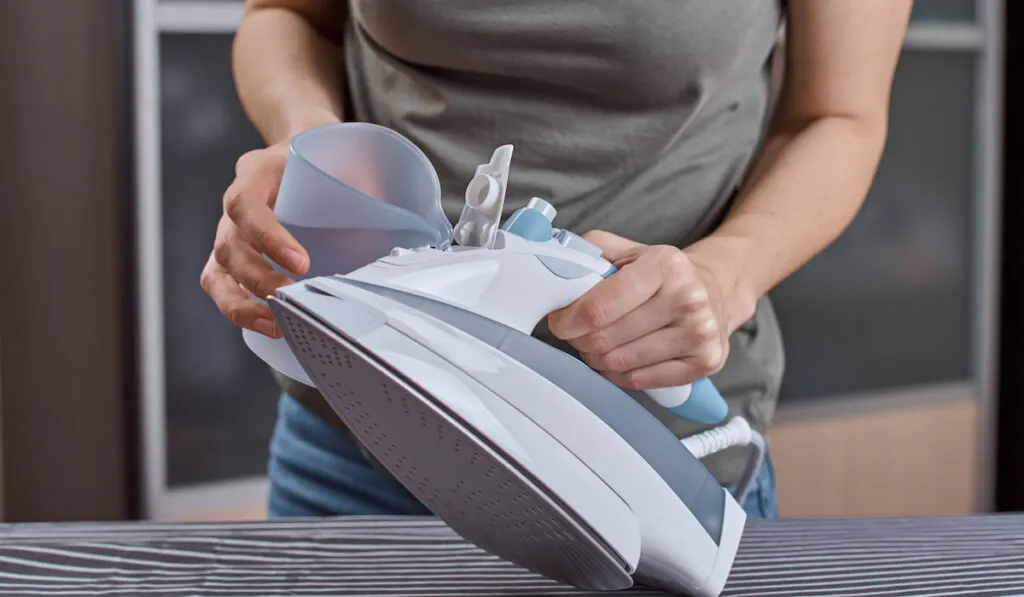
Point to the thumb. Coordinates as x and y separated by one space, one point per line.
613 247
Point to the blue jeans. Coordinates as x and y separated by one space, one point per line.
316 470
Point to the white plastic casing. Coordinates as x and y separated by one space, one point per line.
560 441
508 283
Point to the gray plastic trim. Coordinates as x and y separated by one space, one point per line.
654 442
574 241
354 319
564 269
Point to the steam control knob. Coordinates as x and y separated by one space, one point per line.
546 209
532 222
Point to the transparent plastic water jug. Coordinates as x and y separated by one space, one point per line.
350 194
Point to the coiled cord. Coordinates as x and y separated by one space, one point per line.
737 432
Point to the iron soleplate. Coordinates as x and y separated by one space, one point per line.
467 483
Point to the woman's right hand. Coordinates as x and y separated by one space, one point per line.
249 230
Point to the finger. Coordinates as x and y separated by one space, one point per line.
236 304
666 374
608 301
707 360
248 205
248 267
658 312
613 246
664 344
686 307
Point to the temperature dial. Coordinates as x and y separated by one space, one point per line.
532 222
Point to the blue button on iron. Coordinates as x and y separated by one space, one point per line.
532 222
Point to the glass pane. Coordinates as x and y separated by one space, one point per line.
944 10
889 303
221 399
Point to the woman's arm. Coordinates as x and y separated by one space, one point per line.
665 319
288 73
287 65
822 150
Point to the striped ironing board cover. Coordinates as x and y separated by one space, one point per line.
397 557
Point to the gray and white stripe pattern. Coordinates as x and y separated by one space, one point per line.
419 557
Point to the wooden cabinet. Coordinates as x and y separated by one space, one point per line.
67 440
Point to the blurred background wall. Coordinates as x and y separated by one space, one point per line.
889 400
67 439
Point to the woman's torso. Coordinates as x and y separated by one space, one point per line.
634 116
639 117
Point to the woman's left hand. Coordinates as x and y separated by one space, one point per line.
660 321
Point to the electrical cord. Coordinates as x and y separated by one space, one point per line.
737 432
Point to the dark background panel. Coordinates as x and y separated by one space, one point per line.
220 399
1010 410
945 10
889 304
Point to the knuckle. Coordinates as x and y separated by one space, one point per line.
204 279
557 324
666 254
235 314
682 301
707 330
616 362
598 342
675 264
234 203
594 314
676 258
263 241
634 381
222 250
693 300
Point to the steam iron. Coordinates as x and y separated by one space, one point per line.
426 355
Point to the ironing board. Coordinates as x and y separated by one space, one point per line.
399 557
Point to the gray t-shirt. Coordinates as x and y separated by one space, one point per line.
639 117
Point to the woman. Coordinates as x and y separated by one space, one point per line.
649 124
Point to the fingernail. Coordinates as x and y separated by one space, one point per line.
295 260
266 327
